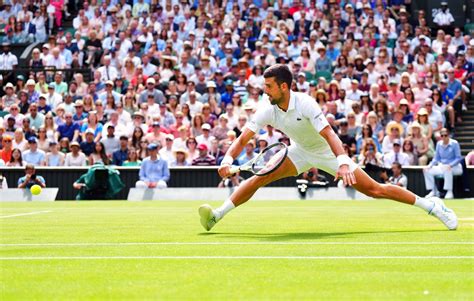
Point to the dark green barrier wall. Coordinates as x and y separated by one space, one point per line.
183 177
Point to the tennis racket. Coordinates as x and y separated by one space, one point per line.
267 161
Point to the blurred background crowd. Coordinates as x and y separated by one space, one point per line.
187 76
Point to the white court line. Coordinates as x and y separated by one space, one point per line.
120 244
23 214
231 257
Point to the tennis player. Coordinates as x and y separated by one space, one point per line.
314 144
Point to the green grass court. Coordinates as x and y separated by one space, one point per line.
372 250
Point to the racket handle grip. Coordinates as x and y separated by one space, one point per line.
234 169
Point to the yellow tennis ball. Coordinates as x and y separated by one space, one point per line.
35 189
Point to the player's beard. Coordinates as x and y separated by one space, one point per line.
275 100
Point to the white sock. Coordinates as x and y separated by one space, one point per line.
224 209
424 204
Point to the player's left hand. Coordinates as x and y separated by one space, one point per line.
348 177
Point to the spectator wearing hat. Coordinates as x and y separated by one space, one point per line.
109 90
301 83
443 18
353 94
211 96
323 63
79 114
156 134
204 159
205 137
154 172
34 155
10 97
446 162
395 155
180 157
8 61
31 178
75 157
166 152
43 107
54 157
394 131
33 95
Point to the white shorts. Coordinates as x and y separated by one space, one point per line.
304 160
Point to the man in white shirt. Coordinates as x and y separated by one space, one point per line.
395 156
443 18
107 71
148 68
314 144
8 60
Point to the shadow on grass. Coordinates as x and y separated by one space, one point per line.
305 235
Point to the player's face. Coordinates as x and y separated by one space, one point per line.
273 90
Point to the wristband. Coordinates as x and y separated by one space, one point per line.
343 160
228 160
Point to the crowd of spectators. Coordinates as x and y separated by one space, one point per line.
186 77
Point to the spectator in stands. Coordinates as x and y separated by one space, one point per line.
88 144
180 158
16 159
69 129
7 148
248 154
34 155
443 18
75 157
204 159
121 155
110 141
166 153
397 178
98 155
446 162
434 117
31 178
395 155
54 157
154 172
132 158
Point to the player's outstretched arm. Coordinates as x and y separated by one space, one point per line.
234 150
343 160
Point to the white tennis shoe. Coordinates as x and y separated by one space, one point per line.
208 218
444 214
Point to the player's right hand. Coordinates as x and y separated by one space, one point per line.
224 171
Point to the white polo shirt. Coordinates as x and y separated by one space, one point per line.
302 122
